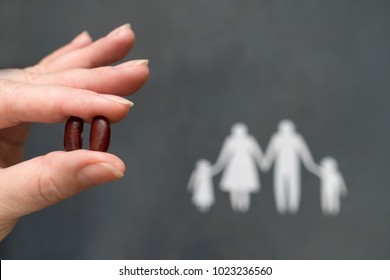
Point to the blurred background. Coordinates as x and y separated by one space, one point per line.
323 64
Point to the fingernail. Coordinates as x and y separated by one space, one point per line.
117 99
98 173
119 30
82 37
136 62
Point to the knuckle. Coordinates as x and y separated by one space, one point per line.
8 87
7 90
50 189
37 69
31 77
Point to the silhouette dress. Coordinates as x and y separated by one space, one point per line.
240 174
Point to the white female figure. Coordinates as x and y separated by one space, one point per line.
238 159
332 186
201 186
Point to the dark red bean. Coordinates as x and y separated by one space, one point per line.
99 138
73 136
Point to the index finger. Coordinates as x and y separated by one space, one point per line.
21 102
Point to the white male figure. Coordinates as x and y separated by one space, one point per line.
286 150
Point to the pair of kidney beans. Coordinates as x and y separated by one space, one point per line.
99 139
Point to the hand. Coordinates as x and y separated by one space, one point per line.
314 169
72 81
264 165
216 169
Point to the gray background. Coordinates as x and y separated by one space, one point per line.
323 64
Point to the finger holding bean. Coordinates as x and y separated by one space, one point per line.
54 104
62 85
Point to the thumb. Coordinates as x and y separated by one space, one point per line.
43 181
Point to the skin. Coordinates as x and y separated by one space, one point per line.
72 81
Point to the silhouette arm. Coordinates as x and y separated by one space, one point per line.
343 186
307 158
315 169
257 152
191 182
223 158
269 156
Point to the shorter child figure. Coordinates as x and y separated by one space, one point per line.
201 186
332 186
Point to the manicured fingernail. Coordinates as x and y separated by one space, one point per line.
136 62
117 99
119 30
98 173
82 37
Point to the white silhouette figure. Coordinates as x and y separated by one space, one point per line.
201 186
332 186
239 154
286 149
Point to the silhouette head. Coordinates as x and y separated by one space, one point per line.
286 126
203 164
239 129
329 163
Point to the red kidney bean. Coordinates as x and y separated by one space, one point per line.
73 136
99 138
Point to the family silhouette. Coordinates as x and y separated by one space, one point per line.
240 158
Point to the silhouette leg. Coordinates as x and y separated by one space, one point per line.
323 201
294 192
238 201
245 201
327 210
241 201
279 192
335 204
231 198
235 201
202 208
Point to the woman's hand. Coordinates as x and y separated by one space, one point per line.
72 81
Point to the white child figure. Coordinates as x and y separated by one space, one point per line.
332 186
201 185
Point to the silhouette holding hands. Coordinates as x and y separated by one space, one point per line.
286 150
238 160
201 186
238 157
332 186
